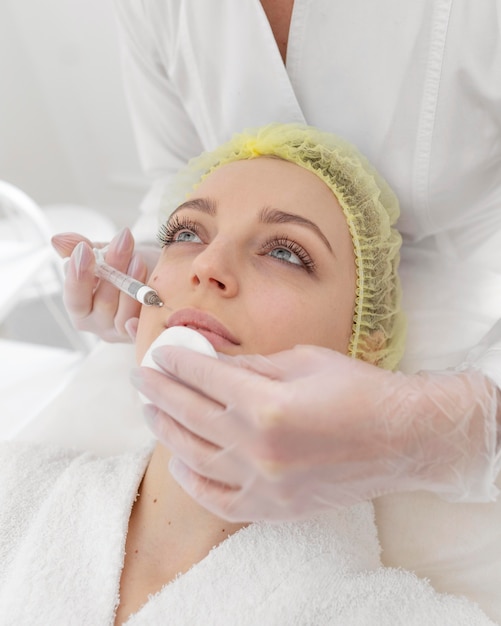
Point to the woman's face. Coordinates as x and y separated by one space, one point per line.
259 259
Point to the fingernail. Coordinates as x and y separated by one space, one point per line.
150 413
135 264
131 328
136 377
122 241
161 357
177 468
82 257
64 243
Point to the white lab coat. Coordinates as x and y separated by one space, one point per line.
417 86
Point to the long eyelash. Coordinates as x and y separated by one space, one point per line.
167 232
293 246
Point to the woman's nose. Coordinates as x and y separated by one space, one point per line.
215 268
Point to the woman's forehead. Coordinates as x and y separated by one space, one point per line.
267 180
264 167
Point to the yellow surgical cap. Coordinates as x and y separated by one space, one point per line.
369 205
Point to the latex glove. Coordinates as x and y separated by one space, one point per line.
95 305
287 435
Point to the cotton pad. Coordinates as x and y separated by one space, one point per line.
177 336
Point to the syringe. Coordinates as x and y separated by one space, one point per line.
132 287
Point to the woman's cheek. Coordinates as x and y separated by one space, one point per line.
283 321
154 279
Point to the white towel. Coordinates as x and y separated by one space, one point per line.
63 523
323 572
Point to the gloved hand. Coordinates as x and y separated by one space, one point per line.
283 436
94 305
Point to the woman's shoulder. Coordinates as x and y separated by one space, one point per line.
31 466
34 476
29 470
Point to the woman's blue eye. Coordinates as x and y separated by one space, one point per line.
178 230
288 251
283 254
186 235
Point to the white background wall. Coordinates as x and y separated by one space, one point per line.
65 135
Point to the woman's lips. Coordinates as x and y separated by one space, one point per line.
218 335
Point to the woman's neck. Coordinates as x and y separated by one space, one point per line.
171 516
168 533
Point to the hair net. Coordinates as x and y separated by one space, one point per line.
369 205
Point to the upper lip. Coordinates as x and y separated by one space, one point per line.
198 319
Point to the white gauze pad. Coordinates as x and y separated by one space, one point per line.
177 336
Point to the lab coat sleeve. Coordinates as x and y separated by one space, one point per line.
486 357
165 136
451 289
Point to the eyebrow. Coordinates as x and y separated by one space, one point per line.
205 205
268 215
